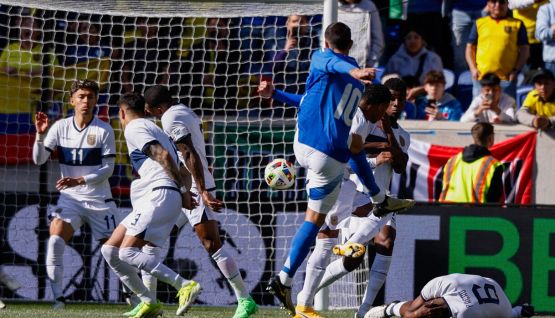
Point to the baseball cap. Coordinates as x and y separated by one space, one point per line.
542 74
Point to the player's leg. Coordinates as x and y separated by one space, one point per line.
336 219
65 220
324 181
383 243
8 281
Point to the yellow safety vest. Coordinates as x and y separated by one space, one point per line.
466 182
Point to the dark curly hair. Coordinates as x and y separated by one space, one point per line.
396 84
376 94
84 84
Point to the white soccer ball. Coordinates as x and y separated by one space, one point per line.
280 174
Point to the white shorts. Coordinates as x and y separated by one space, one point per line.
101 215
200 214
343 207
323 178
154 215
362 199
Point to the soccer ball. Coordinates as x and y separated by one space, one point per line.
279 174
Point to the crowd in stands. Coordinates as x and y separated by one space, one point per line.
461 60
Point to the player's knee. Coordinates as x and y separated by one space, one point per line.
110 254
385 246
211 245
351 263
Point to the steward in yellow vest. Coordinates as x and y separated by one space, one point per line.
474 175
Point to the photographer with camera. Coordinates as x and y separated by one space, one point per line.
492 105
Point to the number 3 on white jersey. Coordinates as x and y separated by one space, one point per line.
348 101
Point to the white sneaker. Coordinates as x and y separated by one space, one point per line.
2 305
9 281
376 312
59 304
362 310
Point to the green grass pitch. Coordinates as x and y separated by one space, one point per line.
34 310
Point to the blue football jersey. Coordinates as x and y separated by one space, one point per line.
329 104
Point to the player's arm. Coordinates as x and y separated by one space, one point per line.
194 165
267 90
419 308
41 152
360 165
400 158
155 151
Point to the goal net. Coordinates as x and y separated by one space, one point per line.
212 55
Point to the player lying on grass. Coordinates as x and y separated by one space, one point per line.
455 295
157 198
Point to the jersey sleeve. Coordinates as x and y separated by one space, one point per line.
109 143
432 289
52 137
177 130
138 137
360 125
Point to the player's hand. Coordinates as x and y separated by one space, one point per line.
366 75
188 201
68 182
41 122
384 157
213 203
265 89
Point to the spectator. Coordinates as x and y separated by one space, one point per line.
412 59
526 11
21 68
208 78
463 15
545 32
398 90
437 104
538 109
147 57
368 40
474 175
492 105
497 44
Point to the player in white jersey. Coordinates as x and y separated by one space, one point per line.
456 296
86 153
157 197
184 128
364 125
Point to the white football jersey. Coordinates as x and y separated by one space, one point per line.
469 296
80 152
139 134
178 122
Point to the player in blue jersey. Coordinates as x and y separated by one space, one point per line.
86 151
324 144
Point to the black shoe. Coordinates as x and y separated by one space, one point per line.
282 293
527 311
390 205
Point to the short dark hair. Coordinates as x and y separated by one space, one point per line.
158 95
481 132
434 77
396 84
84 84
376 94
338 36
133 102
490 79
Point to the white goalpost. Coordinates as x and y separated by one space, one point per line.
212 55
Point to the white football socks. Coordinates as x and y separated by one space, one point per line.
394 309
315 268
55 263
150 281
334 271
127 273
229 269
150 263
376 278
367 228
